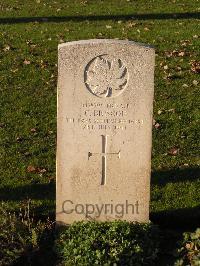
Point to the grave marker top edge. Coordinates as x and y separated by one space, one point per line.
103 41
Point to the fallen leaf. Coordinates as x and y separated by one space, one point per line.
26 62
195 82
41 171
43 64
170 76
19 139
131 24
14 70
195 66
181 53
171 110
175 53
157 125
185 86
31 169
33 46
6 48
173 151
33 130
29 42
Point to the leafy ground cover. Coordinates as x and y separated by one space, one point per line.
30 32
26 241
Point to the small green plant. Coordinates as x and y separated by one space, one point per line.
13 237
108 243
189 251
20 236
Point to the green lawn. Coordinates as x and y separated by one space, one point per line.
30 32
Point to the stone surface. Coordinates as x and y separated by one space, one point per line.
105 98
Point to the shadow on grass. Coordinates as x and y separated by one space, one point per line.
162 177
44 193
184 218
31 191
56 19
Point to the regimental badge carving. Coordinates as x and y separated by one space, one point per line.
106 76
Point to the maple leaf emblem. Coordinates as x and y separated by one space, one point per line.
106 77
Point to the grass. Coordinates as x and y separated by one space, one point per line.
30 32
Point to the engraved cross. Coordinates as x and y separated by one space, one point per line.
104 155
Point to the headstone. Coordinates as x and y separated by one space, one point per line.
105 98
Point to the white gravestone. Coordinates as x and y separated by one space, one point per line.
105 99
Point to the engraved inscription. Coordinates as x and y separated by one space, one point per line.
104 155
106 76
105 116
